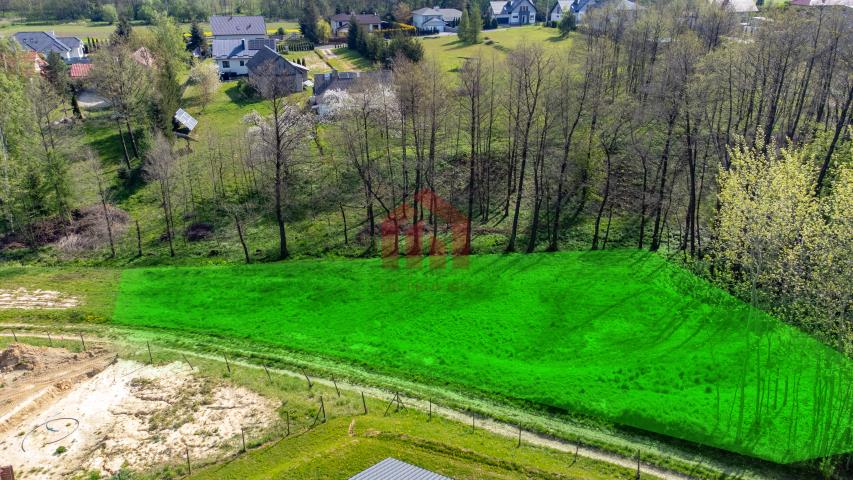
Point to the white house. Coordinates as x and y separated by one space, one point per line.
340 23
559 9
513 12
428 19
236 39
232 56
69 48
449 15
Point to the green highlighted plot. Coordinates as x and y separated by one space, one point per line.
620 335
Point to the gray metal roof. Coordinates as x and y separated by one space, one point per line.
282 64
240 49
71 42
43 42
237 25
393 469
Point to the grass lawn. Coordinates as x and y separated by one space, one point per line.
94 287
313 61
618 335
102 29
450 52
346 60
445 447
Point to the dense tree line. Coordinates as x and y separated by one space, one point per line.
668 129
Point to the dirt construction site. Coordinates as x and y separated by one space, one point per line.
63 412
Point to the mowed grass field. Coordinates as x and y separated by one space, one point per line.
450 53
618 335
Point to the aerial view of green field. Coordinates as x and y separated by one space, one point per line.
622 335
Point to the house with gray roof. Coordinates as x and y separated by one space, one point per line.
234 27
428 20
69 48
513 12
232 56
268 62
340 22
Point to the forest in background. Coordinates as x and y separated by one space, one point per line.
667 129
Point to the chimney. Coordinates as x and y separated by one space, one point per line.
243 43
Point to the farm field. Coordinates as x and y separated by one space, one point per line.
619 335
450 52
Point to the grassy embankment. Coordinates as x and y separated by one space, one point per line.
621 336
333 449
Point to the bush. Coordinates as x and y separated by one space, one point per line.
107 13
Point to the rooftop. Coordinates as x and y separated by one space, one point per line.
237 25
393 469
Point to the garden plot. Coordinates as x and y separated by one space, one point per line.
128 415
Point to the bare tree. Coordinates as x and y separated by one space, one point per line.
277 137
159 167
96 170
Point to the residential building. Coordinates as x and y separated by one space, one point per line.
232 56
449 15
293 75
79 71
230 27
340 23
559 9
236 39
69 48
428 20
513 12
435 19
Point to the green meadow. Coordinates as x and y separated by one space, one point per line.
622 336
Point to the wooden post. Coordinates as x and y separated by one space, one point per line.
429 419
150 357
14 336
336 388
638 464
49 340
307 378
139 254
82 341
188 361
227 365
189 466
519 437
268 373
389 406
323 407
243 436
287 416
472 421
363 403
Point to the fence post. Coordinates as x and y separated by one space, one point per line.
429 419
336 388
14 336
189 466
287 416
363 403
187 360
268 373
243 436
150 357
227 365
49 340
519 437
306 378
82 341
